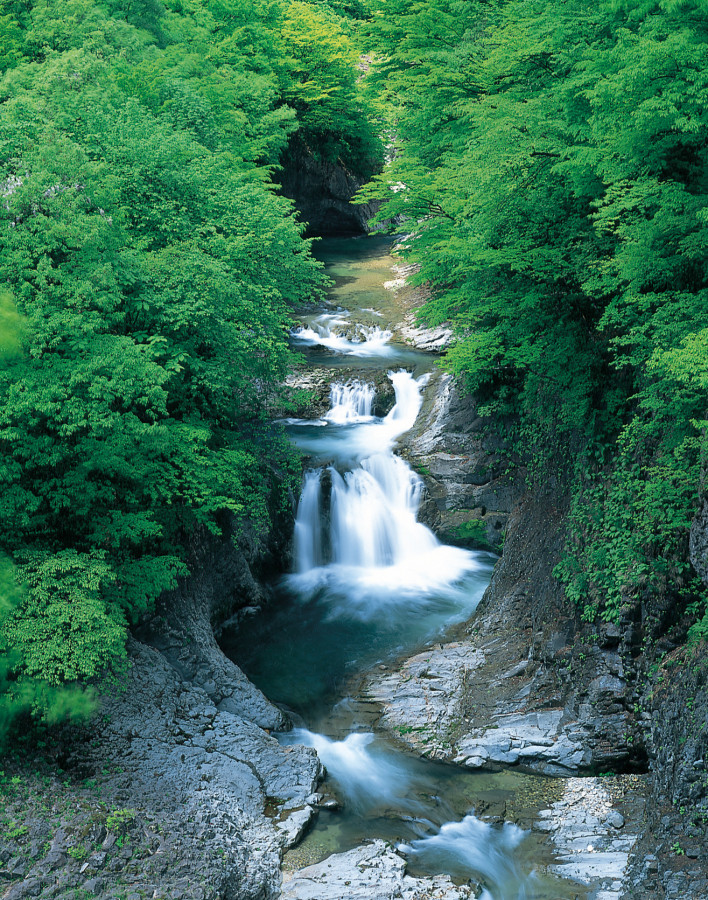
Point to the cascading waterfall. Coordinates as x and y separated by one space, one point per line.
351 402
371 584
361 551
308 525
374 553
373 779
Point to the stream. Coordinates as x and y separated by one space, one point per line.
372 584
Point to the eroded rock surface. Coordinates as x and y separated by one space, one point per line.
371 872
518 687
470 494
181 794
591 836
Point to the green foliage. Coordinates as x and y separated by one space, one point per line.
11 330
551 171
22 694
152 267
474 532
120 820
322 86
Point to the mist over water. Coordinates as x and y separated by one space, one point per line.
376 782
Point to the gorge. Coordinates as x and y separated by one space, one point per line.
353 547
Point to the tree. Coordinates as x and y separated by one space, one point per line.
551 171
155 267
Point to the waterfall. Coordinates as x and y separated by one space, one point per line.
308 526
350 402
371 553
335 333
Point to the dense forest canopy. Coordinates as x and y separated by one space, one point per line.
551 167
147 270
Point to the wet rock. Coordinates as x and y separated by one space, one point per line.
534 739
371 872
293 828
424 702
470 494
322 191
183 788
615 819
421 699
583 831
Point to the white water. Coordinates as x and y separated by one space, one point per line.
361 553
351 403
374 583
375 559
375 781
476 846
331 330
370 779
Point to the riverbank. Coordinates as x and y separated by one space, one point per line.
603 697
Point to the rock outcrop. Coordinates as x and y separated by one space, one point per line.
470 491
371 872
194 798
322 192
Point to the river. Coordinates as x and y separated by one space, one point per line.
371 584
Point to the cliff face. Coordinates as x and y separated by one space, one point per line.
673 691
322 192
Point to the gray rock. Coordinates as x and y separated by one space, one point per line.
615 819
371 872
205 776
588 851
293 828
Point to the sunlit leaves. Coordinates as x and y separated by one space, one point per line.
552 177
153 268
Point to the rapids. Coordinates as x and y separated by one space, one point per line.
370 583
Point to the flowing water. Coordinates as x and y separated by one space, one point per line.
370 584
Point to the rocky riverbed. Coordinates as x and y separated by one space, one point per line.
178 790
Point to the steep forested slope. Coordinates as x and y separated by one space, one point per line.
152 266
552 173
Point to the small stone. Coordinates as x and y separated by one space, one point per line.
651 864
615 819
55 858
97 834
30 888
93 885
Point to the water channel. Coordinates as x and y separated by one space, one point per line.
372 584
